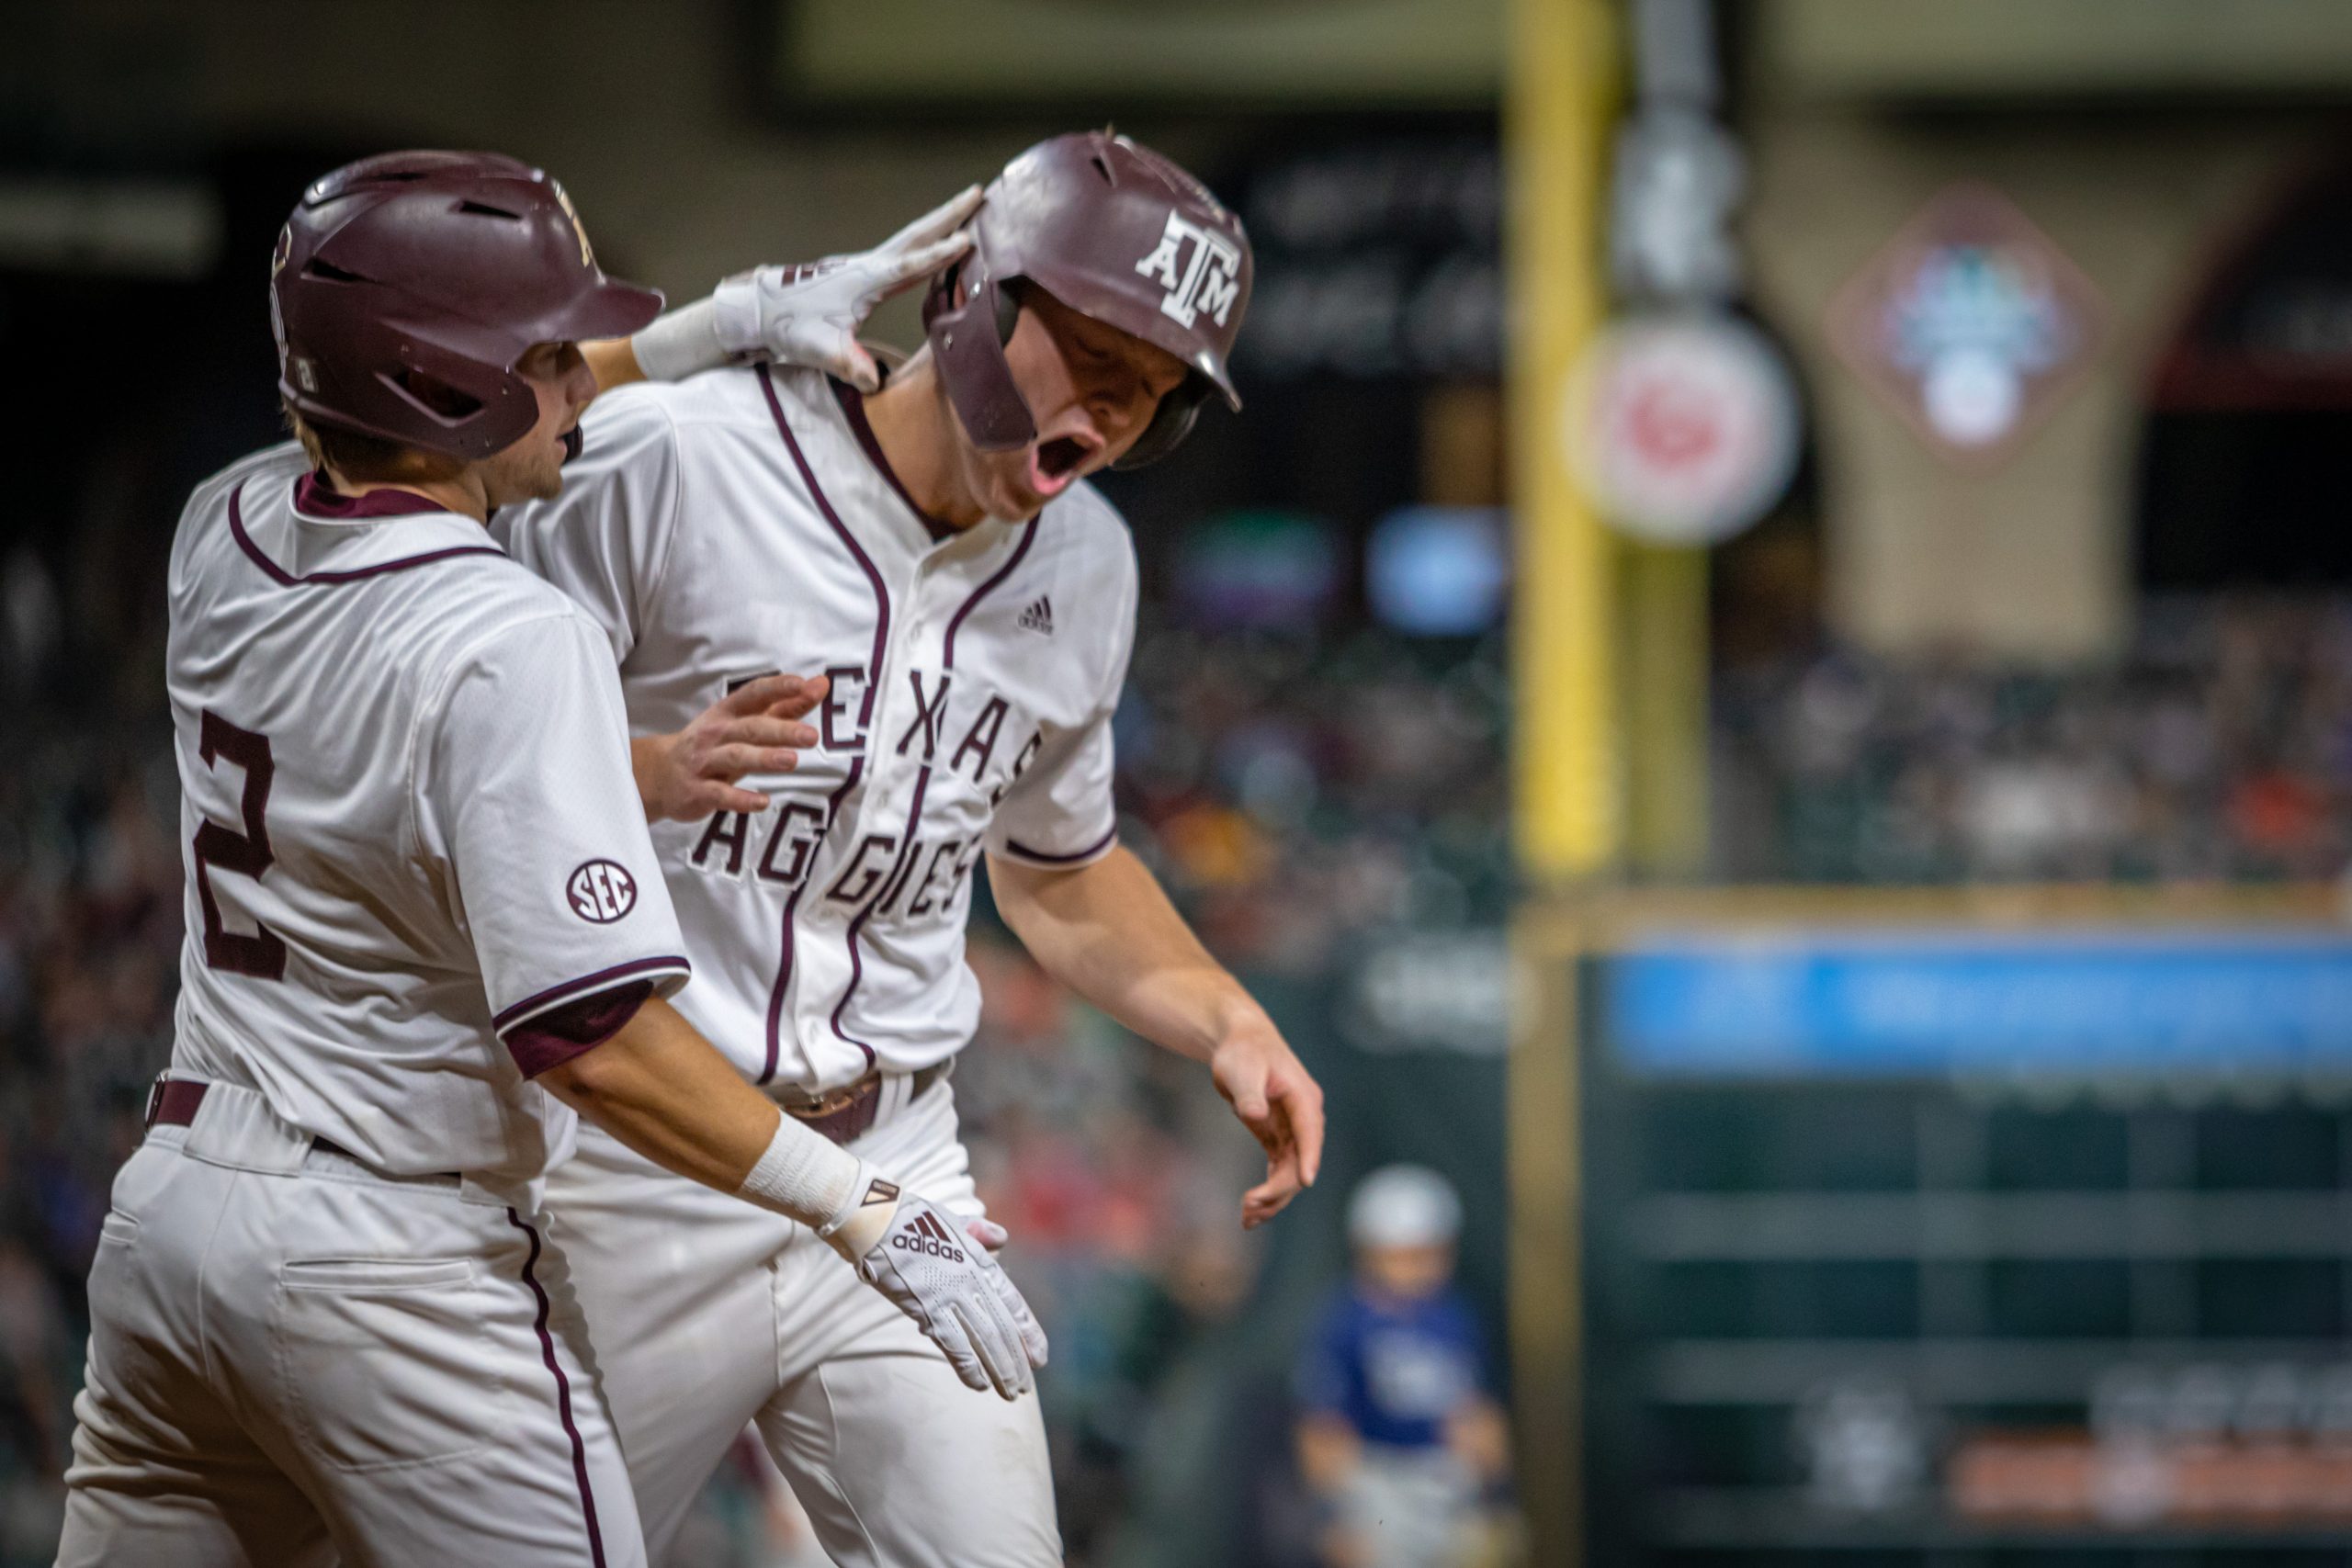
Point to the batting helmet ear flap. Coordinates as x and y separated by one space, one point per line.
968 338
1170 422
941 296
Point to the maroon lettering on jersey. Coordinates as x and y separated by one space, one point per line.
864 872
901 876
263 955
980 739
726 829
802 845
929 714
946 855
833 722
1020 766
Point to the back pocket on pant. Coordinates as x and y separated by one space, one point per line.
389 1362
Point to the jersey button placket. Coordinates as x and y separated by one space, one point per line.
876 808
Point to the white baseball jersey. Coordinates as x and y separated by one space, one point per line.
743 522
408 817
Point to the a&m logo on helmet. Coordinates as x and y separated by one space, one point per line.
1199 268
563 200
304 375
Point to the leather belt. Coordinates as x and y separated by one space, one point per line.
842 1114
173 1102
847 1113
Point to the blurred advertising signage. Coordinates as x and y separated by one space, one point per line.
2074 1478
2002 50
1439 571
1376 258
1971 322
1683 427
125 228
1271 569
2206 1442
1967 1004
1431 992
1011 56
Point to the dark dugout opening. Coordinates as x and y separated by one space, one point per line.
2243 456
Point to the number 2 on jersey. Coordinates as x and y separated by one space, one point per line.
263 955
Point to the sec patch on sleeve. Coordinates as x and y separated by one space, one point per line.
600 891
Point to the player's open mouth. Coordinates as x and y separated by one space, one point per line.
1055 462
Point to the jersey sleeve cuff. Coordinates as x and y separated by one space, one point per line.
1014 848
667 973
576 1028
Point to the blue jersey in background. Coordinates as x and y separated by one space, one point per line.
1394 1371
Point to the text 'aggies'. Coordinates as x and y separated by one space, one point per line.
955 733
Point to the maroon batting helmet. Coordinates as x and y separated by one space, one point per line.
406 286
1115 231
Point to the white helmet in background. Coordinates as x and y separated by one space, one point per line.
1404 1206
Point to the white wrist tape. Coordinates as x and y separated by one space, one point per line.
860 1225
737 321
805 1177
726 326
682 343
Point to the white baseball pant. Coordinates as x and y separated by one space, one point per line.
708 1314
295 1361
1412 1509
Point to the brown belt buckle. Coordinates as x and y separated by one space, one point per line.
833 1103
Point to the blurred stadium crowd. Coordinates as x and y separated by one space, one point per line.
1297 789
1293 789
2217 747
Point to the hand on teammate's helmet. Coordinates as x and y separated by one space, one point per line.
806 313
939 1271
753 729
810 314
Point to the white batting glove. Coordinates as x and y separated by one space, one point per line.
939 1271
808 313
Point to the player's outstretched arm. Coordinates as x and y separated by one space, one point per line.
660 1087
806 313
1108 932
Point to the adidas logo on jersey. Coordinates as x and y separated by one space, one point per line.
926 1234
1039 617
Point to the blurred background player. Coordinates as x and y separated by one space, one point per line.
1400 1438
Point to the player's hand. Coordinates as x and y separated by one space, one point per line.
753 729
808 313
1276 1096
939 1271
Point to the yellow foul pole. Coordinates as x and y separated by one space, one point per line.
1558 91
1568 772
